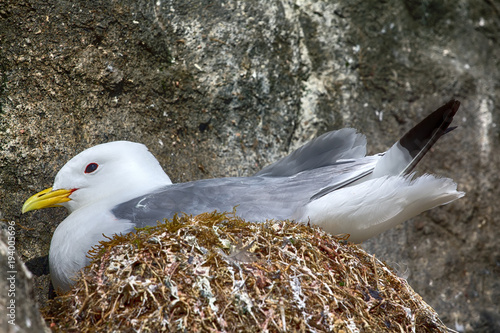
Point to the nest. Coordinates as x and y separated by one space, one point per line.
217 272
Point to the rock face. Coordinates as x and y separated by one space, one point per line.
19 312
222 88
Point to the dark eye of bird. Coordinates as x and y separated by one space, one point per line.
91 167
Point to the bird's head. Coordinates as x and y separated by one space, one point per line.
115 171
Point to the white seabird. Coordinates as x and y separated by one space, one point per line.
114 187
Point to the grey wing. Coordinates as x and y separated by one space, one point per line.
255 198
322 151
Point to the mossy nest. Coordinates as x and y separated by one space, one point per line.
217 272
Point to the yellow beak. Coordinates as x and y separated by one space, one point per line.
47 198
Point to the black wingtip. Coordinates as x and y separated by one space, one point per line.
425 134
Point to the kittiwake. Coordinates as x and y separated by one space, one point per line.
115 187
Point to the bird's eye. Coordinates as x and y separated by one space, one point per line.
91 167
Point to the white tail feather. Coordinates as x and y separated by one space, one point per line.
376 205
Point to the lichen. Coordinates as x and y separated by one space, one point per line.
217 272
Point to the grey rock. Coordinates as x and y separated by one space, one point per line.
19 311
224 88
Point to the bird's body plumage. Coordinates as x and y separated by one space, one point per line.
329 182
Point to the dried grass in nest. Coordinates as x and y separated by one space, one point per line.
216 272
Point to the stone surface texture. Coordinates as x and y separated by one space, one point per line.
222 88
